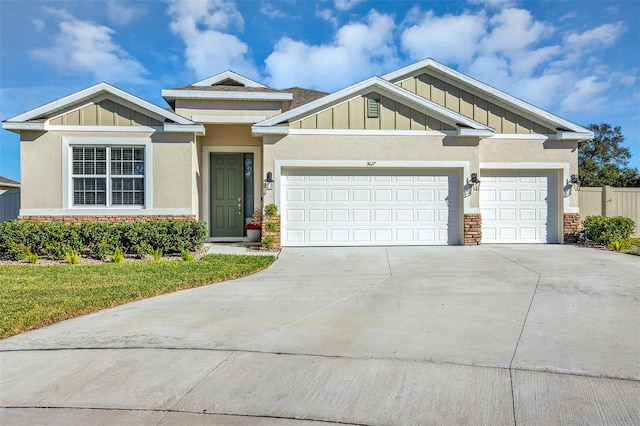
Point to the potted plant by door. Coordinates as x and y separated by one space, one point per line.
254 228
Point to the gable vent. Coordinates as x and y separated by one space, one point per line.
373 108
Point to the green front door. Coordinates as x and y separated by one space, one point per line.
226 179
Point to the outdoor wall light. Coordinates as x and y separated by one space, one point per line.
575 182
474 182
268 182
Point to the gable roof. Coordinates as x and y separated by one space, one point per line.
8 182
565 128
466 126
225 86
35 119
225 76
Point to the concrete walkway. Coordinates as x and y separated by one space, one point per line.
494 335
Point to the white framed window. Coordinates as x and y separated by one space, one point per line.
112 173
108 176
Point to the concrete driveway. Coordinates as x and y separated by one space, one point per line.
374 336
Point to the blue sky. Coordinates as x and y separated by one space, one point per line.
577 59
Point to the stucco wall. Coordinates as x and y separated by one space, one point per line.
532 151
41 164
173 174
190 107
371 148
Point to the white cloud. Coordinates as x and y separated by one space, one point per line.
85 47
122 14
270 11
203 26
450 38
327 15
359 50
513 30
39 25
604 35
586 95
346 4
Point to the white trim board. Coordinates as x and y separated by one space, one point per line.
133 211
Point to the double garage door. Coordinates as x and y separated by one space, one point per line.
360 207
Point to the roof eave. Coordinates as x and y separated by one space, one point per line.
574 136
172 94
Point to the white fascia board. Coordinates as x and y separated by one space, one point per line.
12 126
9 185
228 75
404 73
476 133
228 119
574 136
370 84
227 96
267 131
184 128
93 91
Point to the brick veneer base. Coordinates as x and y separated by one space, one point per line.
571 227
472 229
276 234
104 218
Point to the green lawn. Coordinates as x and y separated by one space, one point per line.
33 296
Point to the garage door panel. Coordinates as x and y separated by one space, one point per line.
519 206
367 207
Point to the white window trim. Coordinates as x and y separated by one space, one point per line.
67 166
206 188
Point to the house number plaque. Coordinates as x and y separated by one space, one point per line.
371 163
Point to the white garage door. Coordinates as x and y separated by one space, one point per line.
519 206
342 207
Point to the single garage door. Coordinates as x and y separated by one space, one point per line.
519 206
342 207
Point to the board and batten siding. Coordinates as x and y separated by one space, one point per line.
474 107
105 113
353 115
610 201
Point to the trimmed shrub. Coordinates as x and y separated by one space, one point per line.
270 210
270 226
99 240
268 242
604 230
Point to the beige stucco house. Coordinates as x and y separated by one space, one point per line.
424 155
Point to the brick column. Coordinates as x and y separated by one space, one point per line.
571 227
472 229
276 234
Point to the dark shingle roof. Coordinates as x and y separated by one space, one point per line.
303 96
